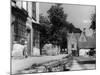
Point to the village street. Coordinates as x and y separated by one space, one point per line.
83 63
70 63
22 63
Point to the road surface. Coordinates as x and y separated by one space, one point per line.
79 64
66 64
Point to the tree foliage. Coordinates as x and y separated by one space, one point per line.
58 31
93 22
44 34
56 26
56 15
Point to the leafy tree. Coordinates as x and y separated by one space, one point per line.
55 27
44 20
93 22
58 31
56 15
44 33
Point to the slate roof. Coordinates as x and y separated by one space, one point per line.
89 43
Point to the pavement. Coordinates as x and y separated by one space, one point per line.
83 58
75 66
23 63
83 66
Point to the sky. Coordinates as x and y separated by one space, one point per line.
79 15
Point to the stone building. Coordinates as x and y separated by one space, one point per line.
78 41
24 15
73 42
18 22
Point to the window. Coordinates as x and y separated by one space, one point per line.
24 5
34 10
72 45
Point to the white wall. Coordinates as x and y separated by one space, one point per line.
30 9
37 12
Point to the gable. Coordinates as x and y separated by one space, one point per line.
90 43
82 38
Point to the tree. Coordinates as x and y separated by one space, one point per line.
56 15
93 21
55 26
44 20
44 34
58 31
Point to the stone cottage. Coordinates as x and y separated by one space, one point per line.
78 41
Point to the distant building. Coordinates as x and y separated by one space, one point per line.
77 41
73 42
89 43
